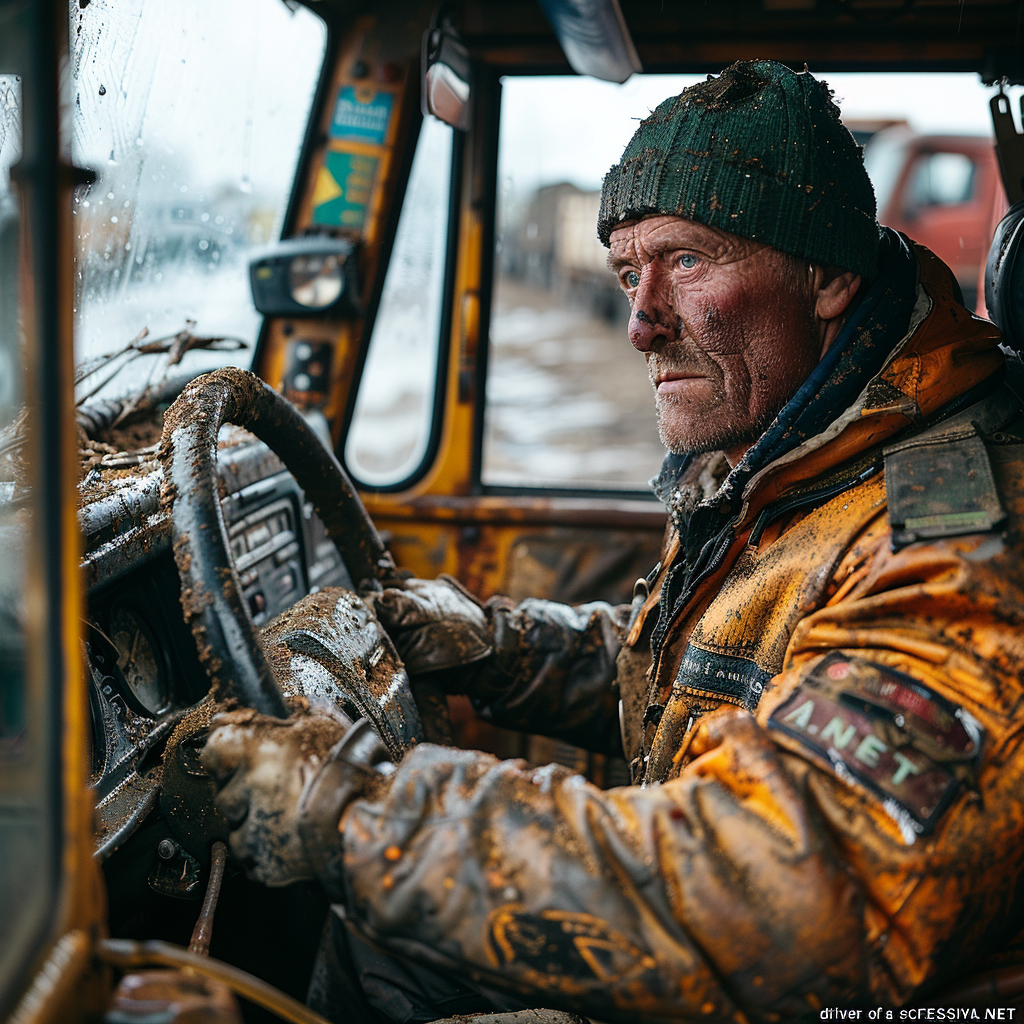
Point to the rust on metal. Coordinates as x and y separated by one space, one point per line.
528 510
203 931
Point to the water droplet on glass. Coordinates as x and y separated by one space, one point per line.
245 185
103 90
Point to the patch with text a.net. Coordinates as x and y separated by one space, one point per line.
875 726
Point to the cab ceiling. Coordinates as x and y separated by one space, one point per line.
698 35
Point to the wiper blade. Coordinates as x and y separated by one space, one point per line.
174 346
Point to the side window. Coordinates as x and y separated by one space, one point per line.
10 149
13 485
569 402
941 179
394 412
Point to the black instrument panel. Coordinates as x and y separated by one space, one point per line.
278 546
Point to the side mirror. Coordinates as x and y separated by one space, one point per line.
305 277
446 75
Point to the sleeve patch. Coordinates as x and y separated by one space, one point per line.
881 729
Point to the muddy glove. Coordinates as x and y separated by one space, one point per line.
283 785
435 624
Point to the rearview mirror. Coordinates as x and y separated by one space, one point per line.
305 277
446 75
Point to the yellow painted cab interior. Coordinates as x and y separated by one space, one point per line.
386 211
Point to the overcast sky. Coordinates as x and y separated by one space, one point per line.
216 92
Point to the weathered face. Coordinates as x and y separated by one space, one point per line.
727 326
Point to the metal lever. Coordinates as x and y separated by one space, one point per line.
203 931
1009 145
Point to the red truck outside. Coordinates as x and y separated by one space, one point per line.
945 192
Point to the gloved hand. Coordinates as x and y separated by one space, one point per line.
435 624
283 785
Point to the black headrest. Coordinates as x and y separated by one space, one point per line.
1004 278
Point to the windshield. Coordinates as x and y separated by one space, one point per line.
192 116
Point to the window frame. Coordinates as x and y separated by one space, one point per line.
488 167
437 405
51 668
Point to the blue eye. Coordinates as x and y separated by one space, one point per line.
632 279
688 261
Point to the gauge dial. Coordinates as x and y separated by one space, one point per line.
138 660
316 281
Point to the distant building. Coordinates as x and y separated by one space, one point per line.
554 245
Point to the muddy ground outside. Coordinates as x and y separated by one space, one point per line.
569 402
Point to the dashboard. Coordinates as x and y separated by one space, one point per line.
145 676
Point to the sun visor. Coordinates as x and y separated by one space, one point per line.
594 37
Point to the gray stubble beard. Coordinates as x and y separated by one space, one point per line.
704 437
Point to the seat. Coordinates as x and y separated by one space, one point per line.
1004 278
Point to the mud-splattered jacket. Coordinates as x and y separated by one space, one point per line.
821 702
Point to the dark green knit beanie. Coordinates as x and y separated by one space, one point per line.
759 152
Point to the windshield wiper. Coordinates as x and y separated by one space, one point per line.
174 346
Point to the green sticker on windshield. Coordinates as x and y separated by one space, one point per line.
343 189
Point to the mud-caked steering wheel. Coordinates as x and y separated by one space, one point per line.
226 639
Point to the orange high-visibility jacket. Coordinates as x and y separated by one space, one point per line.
826 744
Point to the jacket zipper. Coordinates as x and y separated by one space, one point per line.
772 512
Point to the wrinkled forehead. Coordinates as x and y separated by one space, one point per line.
649 236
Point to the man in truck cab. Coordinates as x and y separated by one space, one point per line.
818 688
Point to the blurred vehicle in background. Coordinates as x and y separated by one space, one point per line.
941 191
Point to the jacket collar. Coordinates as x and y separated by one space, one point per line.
907 349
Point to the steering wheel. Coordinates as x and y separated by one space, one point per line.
211 595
